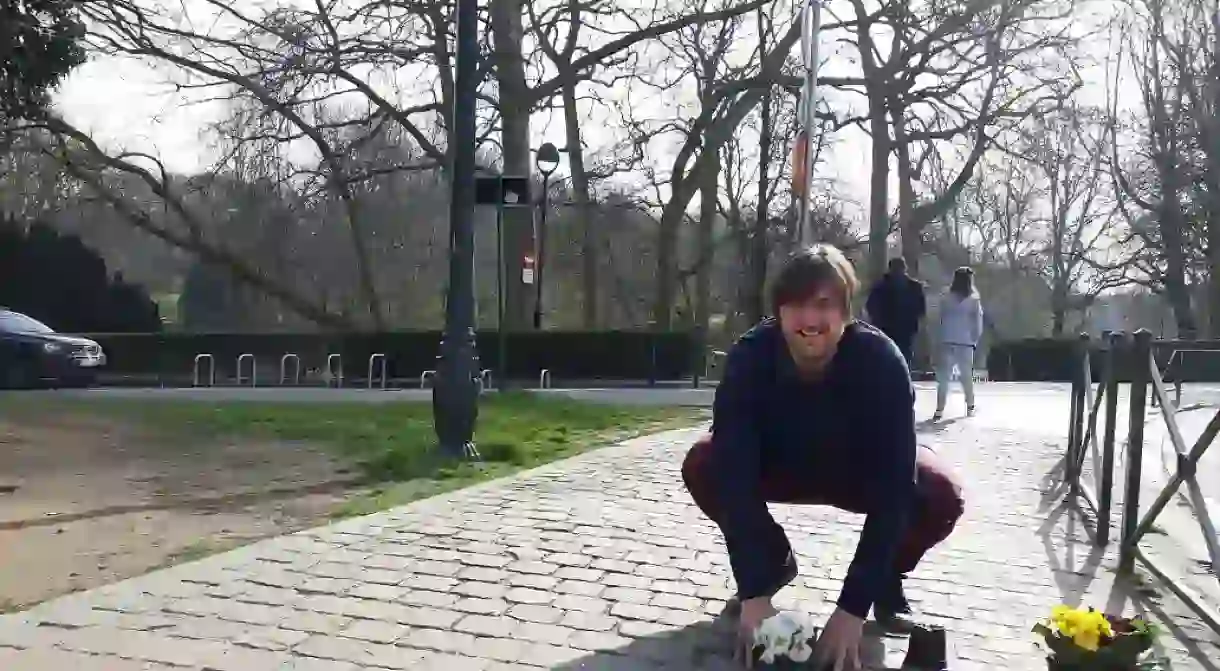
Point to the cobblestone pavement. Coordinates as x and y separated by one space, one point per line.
600 562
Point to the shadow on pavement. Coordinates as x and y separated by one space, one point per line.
703 646
1145 603
935 426
1074 559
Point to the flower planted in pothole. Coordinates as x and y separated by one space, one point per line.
1084 639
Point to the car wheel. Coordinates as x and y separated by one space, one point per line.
18 374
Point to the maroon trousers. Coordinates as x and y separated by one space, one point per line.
938 503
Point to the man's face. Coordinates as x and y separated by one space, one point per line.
813 327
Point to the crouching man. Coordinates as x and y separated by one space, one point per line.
817 409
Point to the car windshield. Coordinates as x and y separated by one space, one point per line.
15 322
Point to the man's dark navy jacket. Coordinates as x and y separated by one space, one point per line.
896 305
852 434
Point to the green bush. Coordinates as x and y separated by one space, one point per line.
1058 360
1034 359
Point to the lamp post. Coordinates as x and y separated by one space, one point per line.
547 160
455 396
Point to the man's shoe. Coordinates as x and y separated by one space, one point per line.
893 612
938 415
733 607
970 411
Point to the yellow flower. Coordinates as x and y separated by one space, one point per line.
1088 639
1085 627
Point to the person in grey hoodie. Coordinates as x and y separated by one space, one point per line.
961 327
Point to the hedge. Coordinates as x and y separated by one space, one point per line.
1057 360
583 355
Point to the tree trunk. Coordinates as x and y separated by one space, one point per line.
709 194
515 100
908 228
756 280
580 189
878 196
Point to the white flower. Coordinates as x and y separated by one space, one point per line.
786 633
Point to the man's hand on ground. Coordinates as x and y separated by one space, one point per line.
753 612
838 648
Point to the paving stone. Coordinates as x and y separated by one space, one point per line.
359 652
544 633
534 613
588 621
483 625
666 600
597 640
419 597
583 604
545 583
477 606
439 661
580 588
635 611
380 592
441 640
528 595
482 590
627 595
375 631
483 574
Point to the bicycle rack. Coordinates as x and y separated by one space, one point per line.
373 359
296 368
424 377
544 379
199 359
253 369
334 369
485 379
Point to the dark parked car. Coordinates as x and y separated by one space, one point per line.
32 354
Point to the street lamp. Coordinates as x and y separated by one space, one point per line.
455 396
547 160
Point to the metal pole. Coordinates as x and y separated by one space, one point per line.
455 395
540 254
1141 360
501 299
812 18
1105 498
1070 453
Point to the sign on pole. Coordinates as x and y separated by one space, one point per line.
527 270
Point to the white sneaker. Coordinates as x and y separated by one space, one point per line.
970 411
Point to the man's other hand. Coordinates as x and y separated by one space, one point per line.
753 612
838 648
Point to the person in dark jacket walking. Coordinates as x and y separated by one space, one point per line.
896 305
815 408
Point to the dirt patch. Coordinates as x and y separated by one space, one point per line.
86 501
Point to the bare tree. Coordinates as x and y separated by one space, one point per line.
948 74
1069 149
1152 178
